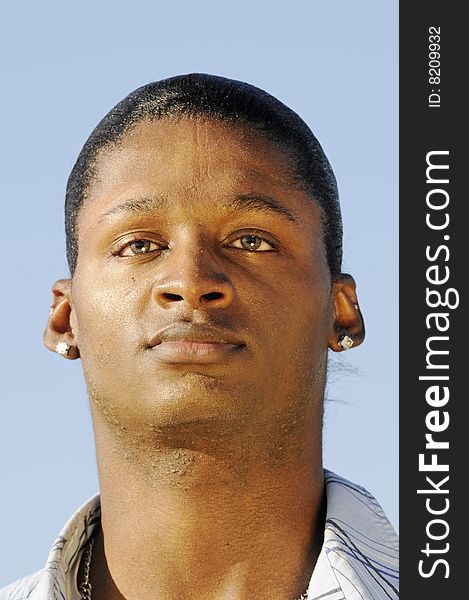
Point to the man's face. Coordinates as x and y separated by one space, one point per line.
202 293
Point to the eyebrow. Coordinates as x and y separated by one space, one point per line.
135 206
254 202
245 203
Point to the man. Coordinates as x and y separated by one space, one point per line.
204 243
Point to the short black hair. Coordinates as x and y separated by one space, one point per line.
211 96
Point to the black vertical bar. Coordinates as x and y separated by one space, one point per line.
434 323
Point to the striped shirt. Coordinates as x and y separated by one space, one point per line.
358 559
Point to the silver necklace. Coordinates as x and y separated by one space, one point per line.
85 586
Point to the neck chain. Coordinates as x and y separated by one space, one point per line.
85 586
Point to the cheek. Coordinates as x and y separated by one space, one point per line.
296 313
105 315
108 338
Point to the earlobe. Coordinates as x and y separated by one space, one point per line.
348 327
59 335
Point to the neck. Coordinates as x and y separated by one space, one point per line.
232 517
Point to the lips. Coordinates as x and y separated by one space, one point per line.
196 343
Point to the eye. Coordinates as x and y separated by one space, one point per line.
252 243
136 247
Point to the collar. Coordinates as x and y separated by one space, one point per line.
358 559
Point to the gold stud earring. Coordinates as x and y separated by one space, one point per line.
345 342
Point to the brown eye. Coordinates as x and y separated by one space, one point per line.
252 243
138 247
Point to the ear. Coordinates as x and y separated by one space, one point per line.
58 328
348 319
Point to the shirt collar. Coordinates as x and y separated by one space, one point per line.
358 559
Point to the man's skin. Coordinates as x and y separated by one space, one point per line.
209 453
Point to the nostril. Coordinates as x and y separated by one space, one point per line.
169 296
193 298
212 296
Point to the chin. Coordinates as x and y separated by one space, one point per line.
193 398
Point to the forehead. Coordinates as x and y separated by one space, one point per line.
193 162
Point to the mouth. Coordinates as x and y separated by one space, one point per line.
192 343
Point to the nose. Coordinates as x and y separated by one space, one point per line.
191 274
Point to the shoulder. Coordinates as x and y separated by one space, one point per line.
51 581
22 588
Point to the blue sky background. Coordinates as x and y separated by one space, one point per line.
63 67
